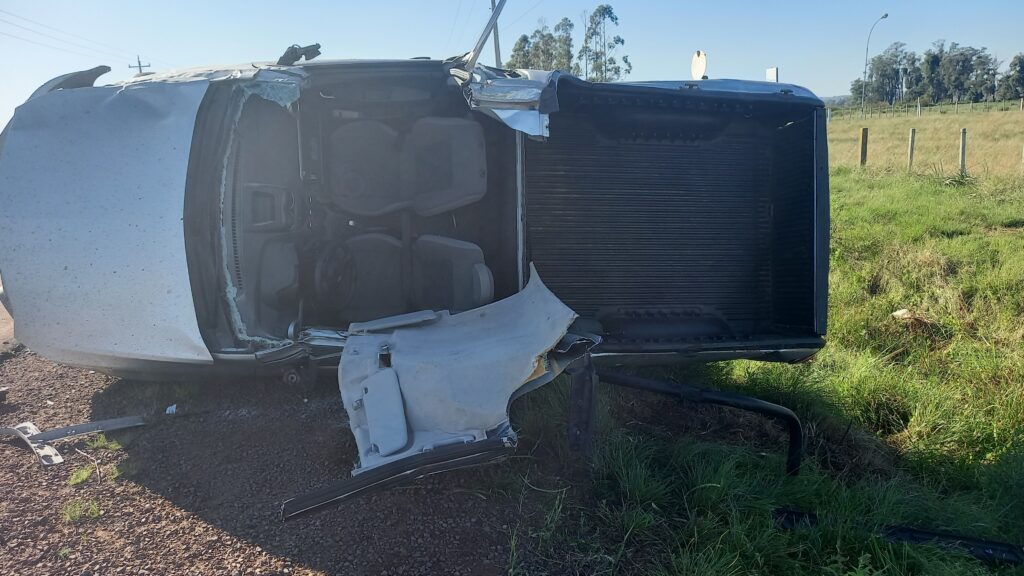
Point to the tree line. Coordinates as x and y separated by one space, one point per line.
598 58
944 73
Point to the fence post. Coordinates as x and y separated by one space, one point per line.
956 107
864 145
910 149
918 106
963 150
1022 104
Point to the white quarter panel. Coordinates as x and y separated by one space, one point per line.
92 248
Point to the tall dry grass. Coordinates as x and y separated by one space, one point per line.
995 142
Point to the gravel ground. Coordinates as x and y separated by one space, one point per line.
199 492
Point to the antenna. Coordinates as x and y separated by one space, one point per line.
139 65
699 65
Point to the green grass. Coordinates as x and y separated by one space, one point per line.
101 442
80 511
940 391
122 470
995 142
81 475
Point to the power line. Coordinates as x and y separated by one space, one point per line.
455 20
120 51
48 45
48 27
469 20
50 36
523 15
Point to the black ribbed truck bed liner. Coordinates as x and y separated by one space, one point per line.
679 218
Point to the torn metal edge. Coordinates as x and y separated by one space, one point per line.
284 90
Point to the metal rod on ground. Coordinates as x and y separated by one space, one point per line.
910 149
863 146
963 150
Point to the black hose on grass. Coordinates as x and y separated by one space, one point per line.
705 396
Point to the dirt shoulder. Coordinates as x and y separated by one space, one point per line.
200 493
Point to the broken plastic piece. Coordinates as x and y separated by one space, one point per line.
38 441
444 458
454 376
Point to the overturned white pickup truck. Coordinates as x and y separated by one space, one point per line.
395 218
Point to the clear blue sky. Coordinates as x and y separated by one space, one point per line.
817 44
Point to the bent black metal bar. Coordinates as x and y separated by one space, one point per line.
705 396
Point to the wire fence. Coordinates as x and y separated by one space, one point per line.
908 109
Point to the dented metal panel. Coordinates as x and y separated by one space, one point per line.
455 375
518 102
93 181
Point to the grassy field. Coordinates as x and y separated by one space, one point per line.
995 142
915 420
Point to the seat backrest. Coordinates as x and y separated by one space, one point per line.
450 274
444 164
377 269
364 168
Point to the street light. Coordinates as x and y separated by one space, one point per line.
864 78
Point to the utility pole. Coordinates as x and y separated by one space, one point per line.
497 44
139 64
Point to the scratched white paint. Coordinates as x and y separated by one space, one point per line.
92 185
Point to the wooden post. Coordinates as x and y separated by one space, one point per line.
963 150
918 106
910 149
956 107
1022 104
863 146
